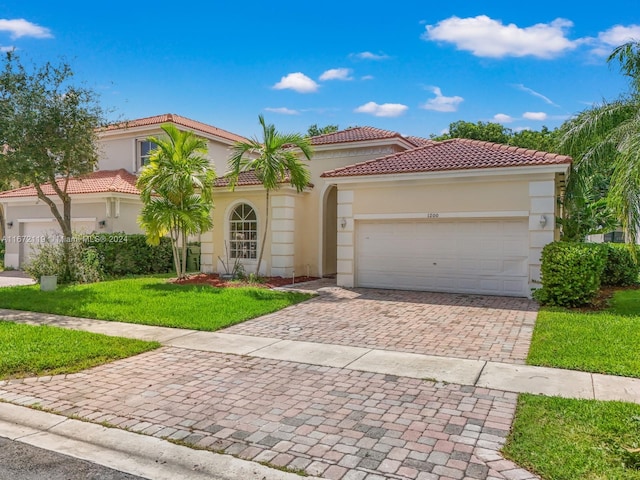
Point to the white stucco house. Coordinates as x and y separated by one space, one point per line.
382 210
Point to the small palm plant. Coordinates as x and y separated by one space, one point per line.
176 189
274 160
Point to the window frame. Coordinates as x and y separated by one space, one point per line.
143 160
245 249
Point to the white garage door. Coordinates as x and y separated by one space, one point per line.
34 233
480 256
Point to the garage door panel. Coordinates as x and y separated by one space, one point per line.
488 257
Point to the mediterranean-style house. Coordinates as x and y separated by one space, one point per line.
383 210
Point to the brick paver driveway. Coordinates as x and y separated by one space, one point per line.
339 424
464 326
334 423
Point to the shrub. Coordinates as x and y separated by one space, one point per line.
621 268
2 249
121 254
94 256
81 266
571 273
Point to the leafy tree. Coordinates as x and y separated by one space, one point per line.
605 139
314 130
544 139
176 189
47 130
486 131
274 160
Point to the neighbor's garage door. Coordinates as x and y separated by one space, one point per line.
34 232
480 256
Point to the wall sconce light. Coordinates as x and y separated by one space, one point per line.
10 224
343 223
543 220
102 223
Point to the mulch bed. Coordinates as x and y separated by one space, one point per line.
214 280
601 302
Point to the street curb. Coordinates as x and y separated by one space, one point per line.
136 454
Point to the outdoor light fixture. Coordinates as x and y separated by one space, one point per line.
102 223
343 223
543 220
10 224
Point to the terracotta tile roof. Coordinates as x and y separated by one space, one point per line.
419 141
102 181
355 134
454 154
246 179
177 120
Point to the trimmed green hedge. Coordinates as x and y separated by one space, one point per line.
621 268
571 273
121 254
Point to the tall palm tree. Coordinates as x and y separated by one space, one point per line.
606 139
176 189
274 160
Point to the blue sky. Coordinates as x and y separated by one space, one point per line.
412 67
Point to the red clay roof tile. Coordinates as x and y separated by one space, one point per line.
103 181
354 134
178 120
454 154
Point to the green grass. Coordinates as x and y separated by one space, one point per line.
564 439
152 301
602 342
28 350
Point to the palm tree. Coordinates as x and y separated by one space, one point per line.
274 161
176 189
605 139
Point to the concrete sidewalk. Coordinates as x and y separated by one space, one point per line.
479 373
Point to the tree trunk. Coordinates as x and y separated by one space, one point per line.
264 236
2 219
174 248
183 271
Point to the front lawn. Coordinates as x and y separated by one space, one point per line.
593 341
565 439
28 350
152 301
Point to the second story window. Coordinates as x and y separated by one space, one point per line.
145 148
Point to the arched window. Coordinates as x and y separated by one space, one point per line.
243 232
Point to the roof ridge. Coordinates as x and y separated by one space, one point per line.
179 120
512 148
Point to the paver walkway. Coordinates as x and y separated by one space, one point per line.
453 325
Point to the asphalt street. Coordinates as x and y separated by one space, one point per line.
19 461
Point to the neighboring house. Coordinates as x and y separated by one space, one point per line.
382 210
106 200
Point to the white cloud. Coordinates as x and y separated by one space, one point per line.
539 116
20 27
441 103
370 56
367 77
298 82
503 118
283 110
532 92
384 110
336 74
10 48
619 34
613 37
486 37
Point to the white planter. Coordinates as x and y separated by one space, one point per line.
48 283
